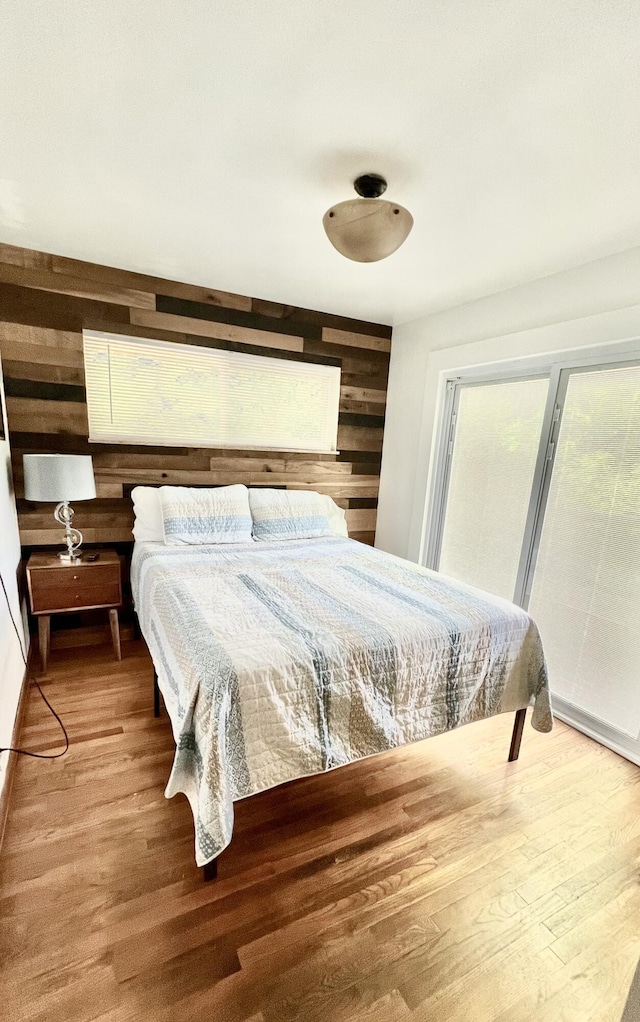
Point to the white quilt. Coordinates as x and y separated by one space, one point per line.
277 660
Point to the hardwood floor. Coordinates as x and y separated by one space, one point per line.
433 883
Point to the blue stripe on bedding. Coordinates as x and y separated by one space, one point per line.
276 604
208 524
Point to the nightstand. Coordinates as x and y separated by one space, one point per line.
57 588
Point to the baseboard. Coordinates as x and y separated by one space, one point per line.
603 733
5 793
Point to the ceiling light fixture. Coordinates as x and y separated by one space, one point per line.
369 228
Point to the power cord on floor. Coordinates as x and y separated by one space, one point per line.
26 752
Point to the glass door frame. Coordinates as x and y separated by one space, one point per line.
558 372
560 376
446 443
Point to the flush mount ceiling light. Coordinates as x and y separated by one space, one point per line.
369 228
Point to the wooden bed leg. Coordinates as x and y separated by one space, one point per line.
516 737
156 695
210 870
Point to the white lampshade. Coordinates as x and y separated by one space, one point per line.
367 230
56 477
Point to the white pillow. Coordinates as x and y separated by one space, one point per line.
288 514
295 514
337 517
195 516
148 526
147 510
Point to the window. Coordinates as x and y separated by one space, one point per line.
154 392
497 435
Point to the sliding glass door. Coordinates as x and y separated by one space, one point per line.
540 503
585 589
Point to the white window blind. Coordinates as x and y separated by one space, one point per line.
153 392
494 456
586 587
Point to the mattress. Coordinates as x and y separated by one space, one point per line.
279 660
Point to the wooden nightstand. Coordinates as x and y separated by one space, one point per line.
57 588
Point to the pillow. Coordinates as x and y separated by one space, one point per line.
193 516
148 515
337 517
147 510
288 514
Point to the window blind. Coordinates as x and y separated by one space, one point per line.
142 391
586 587
494 457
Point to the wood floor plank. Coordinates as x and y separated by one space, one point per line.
464 945
592 987
435 882
491 986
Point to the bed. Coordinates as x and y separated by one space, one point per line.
281 659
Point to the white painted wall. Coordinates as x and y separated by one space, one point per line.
594 304
11 666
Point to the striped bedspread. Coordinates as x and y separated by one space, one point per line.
277 660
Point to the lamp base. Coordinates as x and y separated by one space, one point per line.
66 558
72 537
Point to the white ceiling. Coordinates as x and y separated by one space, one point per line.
204 139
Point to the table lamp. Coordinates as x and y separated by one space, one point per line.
61 478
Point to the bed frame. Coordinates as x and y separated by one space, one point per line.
210 870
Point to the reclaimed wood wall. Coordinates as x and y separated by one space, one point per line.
46 300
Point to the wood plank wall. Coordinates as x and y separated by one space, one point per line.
46 300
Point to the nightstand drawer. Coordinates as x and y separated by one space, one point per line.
73 575
75 585
53 598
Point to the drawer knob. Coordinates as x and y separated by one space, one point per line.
76 577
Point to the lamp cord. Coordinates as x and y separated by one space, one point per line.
26 752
